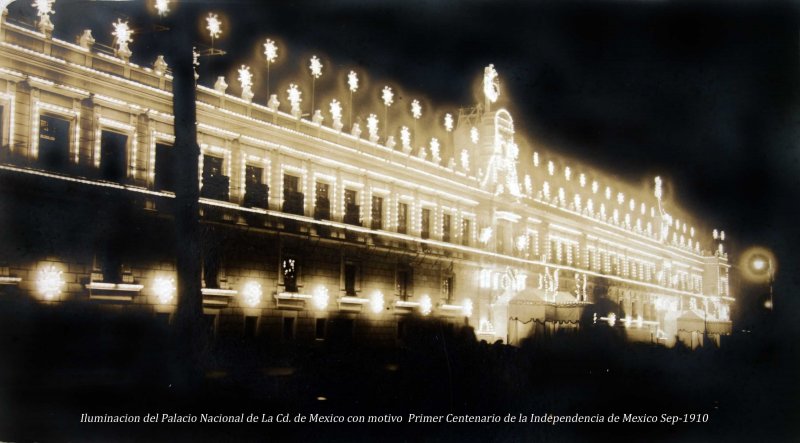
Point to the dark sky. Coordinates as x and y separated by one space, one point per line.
702 93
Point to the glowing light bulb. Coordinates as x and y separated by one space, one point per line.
595 187
251 292
270 51
448 122
164 289
352 81
376 302
567 173
473 135
465 159
49 282
425 304
582 180
620 198
43 7
315 66
551 167
213 25
536 159
320 297
388 96
162 7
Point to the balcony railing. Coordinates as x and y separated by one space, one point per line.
256 196
352 214
215 187
293 202
322 209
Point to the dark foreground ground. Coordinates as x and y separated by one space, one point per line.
57 365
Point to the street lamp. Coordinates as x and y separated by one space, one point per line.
761 266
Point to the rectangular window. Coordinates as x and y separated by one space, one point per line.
402 218
377 212
446 227
352 211
425 224
322 205
54 142
113 156
215 184
288 328
319 330
501 239
210 325
465 232
447 288
292 197
250 326
350 276
289 271
256 193
165 168
404 282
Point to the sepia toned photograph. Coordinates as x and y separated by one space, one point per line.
419 220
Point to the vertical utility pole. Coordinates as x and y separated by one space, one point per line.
191 336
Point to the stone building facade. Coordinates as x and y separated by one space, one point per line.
311 230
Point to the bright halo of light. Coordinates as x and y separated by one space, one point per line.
43 7
387 96
352 81
294 95
467 308
491 85
425 304
376 302
251 292
448 122
49 282
270 50
416 109
162 7
320 297
315 66
164 289
758 264
336 110
245 77
122 33
213 25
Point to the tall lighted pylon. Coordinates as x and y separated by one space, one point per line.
315 67
352 85
388 98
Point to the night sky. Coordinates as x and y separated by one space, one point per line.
703 94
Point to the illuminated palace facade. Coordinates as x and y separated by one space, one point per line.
309 227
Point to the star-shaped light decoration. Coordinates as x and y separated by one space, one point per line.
315 66
162 7
352 81
214 26
372 127
388 96
336 110
270 51
473 135
448 122
416 109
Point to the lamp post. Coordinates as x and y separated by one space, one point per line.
762 265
